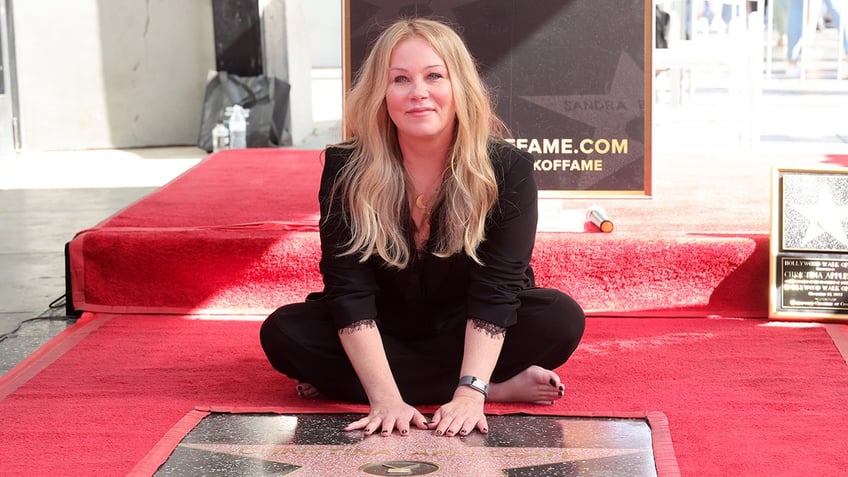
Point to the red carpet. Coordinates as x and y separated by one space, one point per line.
742 397
237 235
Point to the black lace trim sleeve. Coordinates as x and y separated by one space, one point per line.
357 326
491 329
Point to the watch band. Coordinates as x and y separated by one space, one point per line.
476 384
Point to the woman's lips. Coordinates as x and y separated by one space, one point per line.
419 111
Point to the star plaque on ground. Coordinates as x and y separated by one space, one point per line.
315 445
808 269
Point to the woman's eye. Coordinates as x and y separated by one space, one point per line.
400 79
435 76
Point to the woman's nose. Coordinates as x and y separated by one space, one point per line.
420 90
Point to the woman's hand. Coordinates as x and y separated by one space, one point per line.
364 346
387 417
461 415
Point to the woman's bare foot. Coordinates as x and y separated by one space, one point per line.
535 384
306 390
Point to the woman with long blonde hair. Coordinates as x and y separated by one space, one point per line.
428 220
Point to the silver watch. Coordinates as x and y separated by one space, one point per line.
476 384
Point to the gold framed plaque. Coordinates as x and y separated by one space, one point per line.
808 252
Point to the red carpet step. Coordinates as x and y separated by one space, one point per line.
237 234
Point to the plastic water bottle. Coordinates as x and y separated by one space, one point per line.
220 137
238 128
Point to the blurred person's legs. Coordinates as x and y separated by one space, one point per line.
794 36
794 30
688 19
779 20
837 8
707 11
795 24
727 13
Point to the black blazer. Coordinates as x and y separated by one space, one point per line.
433 295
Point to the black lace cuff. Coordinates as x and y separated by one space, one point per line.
491 329
358 325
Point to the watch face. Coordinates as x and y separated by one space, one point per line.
475 383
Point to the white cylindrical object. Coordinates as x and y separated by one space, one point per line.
238 128
220 137
598 216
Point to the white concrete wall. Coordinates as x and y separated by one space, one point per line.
325 33
7 138
287 57
111 73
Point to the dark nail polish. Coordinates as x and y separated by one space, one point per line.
438 433
299 388
385 431
560 393
561 387
553 383
404 431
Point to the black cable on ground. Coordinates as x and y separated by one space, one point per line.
49 314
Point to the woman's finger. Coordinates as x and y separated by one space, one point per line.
420 421
388 426
483 425
358 424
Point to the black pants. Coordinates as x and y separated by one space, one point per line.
301 342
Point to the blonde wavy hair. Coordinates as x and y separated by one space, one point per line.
372 182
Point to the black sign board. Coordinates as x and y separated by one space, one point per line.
571 79
809 245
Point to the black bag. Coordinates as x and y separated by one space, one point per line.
266 98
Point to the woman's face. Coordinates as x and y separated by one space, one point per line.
419 97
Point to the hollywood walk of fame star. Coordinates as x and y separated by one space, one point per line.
617 108
825 217
454 455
